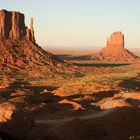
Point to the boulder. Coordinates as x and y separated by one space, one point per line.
15 123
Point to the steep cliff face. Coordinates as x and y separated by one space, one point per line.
18 49
116 40
32 30
115 50
12 26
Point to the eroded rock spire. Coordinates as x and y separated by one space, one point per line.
32 29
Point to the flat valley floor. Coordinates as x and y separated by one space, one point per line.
102 104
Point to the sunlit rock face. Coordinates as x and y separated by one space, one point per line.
115 50
12 26
116 40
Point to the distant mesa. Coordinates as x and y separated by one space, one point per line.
18 48
115 50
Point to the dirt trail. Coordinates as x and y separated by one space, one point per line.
108 106
82 117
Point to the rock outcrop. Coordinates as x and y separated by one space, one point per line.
12 26
18 48
14 122
115 50
32 29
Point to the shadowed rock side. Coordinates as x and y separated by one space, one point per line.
18 48
15 123
115 51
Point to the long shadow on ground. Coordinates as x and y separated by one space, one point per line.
121 124
101 65
70 57
34 95
131 84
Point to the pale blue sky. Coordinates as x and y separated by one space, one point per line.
80 22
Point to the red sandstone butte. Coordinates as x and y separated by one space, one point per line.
115 51
18 48
12 26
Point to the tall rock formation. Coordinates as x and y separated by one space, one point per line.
18 49
12 26
115 50
5 24
32 29
116 40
